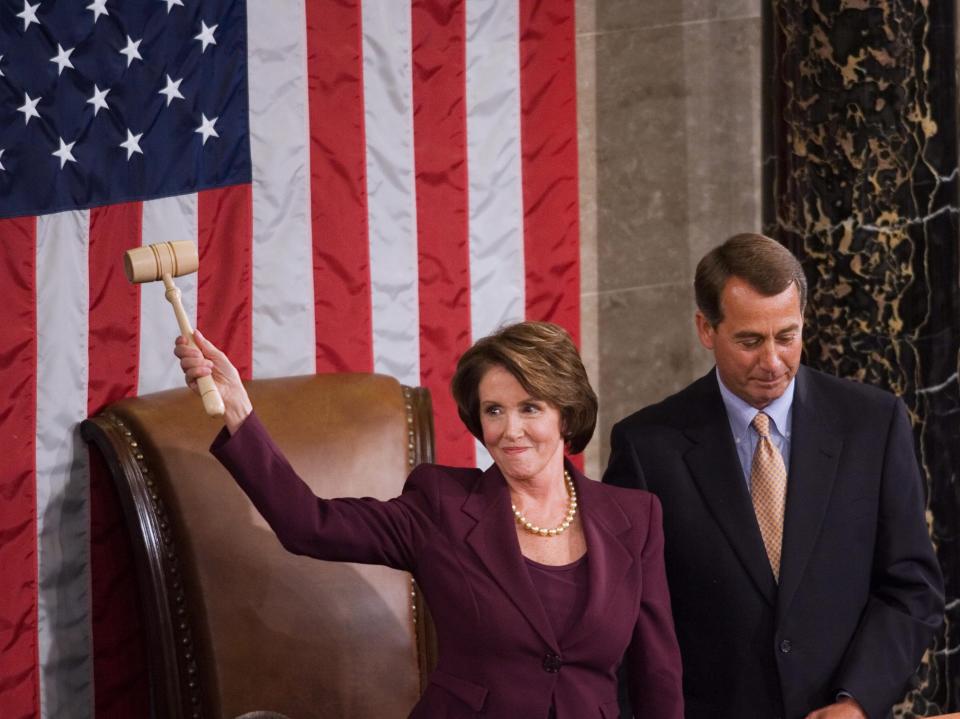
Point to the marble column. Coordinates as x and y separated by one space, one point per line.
862 184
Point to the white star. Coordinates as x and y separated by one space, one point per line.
172 90
98 99
206 36
29 108
98 7
64 153
206 129
29 14
2 168
171 3
132 50
132 144
62 59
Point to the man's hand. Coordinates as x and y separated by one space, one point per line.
846 708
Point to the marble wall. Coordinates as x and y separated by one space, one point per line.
672 125
669 95
864 140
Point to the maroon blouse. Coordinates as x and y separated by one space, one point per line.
563 592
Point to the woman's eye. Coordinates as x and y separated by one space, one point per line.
492 410
530 408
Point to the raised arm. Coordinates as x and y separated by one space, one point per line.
206 360
366 530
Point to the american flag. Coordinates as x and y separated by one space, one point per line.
372 185
120 102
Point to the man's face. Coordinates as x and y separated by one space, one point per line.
757 345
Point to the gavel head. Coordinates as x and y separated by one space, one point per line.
151 262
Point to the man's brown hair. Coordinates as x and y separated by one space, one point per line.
544 360
761 262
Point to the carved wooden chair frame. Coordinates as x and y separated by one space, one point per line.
176 684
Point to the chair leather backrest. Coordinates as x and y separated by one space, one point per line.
235 622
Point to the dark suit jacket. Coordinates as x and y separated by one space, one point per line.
454 530
860 592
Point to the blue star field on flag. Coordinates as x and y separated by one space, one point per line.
106 101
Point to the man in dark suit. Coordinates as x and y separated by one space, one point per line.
801 573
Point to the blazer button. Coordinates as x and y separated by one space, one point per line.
785 646
551 663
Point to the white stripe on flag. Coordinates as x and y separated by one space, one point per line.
391 194
493 159
169 219
283 302
494 167
63 508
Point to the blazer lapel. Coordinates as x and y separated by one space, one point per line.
815 448
494 539
607 557
716 469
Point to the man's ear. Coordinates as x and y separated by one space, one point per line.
705 331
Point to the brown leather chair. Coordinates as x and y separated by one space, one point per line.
234 622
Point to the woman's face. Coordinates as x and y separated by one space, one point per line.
521 433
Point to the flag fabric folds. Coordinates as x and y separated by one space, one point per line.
120 102
372 185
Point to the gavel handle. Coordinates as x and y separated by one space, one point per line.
212 401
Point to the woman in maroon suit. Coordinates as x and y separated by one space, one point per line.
540 581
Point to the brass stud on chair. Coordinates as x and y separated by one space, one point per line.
171 566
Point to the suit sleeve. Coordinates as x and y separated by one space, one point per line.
623 469
654 671
906 606
366 531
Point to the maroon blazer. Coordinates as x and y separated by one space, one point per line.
454 530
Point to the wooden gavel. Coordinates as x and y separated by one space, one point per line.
164 261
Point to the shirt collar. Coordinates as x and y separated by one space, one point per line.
741 414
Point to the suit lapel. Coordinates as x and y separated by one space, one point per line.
494 539
607 557
716 469
815 448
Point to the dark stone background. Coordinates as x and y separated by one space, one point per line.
860 176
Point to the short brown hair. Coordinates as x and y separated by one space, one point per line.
761 262
543 359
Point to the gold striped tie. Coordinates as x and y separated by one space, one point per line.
768 490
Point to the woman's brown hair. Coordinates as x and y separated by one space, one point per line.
544 360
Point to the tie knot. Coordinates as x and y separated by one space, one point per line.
761 423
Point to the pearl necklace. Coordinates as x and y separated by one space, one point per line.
567 520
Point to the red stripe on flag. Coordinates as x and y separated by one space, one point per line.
119 660
19 681
548 121
548 94
114 321
120 667
338 187
440 148
225 277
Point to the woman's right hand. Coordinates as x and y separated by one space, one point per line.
207 360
